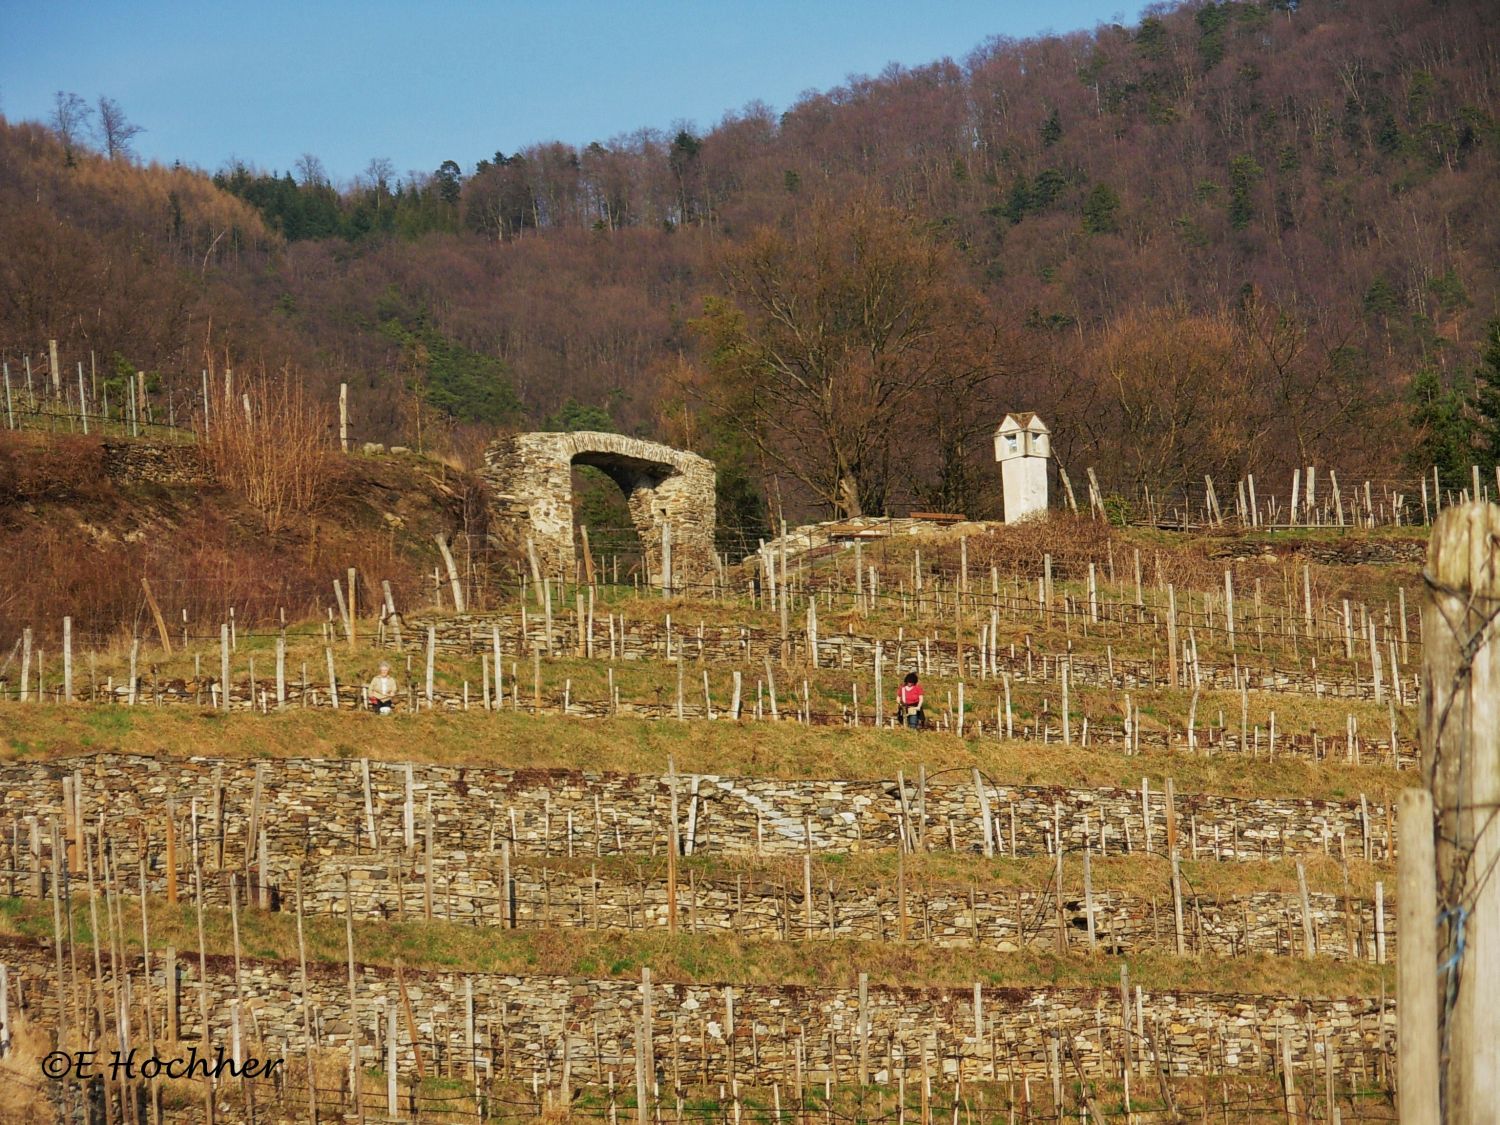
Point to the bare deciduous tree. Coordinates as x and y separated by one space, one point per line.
1177 398
377 176
114 129
310 170
70 118
834 343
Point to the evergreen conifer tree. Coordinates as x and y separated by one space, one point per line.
1487 397
1442 430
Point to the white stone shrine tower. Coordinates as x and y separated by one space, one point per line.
1023 445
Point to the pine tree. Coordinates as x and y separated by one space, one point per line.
1100 210
1487 397
1442 430
1052 129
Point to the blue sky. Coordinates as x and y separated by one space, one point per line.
419 83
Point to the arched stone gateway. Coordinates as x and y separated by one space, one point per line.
531 493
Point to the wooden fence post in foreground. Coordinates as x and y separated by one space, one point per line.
1460 720
1416 963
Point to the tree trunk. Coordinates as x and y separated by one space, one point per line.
848 505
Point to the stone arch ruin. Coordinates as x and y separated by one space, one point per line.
531 493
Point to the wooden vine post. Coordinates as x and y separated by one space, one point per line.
674 848
1416 960
453 581
161 624
1460 722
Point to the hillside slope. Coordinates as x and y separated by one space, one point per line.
1313 182
83 520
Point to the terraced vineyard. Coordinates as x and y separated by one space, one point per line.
667 858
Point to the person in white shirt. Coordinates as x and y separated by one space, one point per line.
382 689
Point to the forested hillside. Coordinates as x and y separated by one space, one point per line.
1238 236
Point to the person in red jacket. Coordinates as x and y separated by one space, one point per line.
909 701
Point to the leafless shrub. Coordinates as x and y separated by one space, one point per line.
273 447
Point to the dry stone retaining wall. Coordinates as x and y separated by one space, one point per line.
310 806
154 462
756 907
520 1022
467 888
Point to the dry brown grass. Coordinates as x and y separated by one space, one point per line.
764 749
715 958
1194 563
48 466
1194 560
24 1092
1138 874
